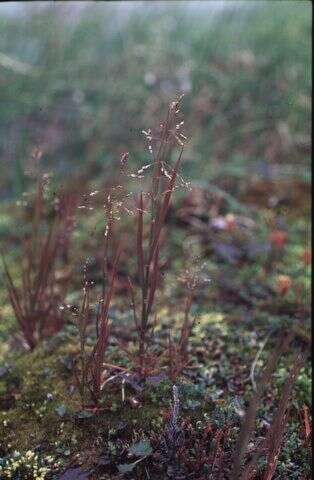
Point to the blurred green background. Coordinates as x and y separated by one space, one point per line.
81 80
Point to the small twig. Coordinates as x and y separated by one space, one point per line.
123 390
117 367
108 380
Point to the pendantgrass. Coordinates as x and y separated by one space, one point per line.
148 245
98 353
36 301
163 184
91 371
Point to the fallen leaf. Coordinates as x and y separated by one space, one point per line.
141 449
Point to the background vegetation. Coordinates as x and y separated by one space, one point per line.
81 82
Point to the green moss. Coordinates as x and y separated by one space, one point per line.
42 411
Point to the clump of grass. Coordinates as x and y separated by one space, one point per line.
91 371
91 363
36 301
156 204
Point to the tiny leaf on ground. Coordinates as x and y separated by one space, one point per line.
141 449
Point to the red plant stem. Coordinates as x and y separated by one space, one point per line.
275 433
98 353
250 416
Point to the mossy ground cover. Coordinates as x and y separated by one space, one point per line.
41 409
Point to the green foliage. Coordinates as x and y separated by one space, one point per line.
245 69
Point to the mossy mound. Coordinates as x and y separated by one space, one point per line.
41 408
